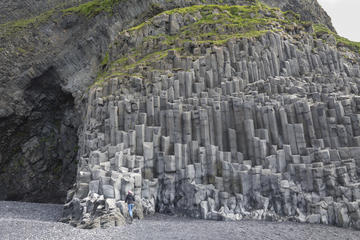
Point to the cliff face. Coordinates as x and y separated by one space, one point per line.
48 41
217 112
17 9
310 10
209 112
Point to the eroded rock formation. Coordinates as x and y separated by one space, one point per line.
63 42
221 112
207 111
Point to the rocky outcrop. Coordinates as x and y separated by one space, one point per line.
248 117
38 149
60 42
221 121
310 10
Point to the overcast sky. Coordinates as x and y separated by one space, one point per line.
345 15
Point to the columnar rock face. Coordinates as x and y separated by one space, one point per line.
263 127
60 43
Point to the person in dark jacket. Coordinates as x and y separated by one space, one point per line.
130 200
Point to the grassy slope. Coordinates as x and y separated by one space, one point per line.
321 30
14 27
88 9
217 25
93 8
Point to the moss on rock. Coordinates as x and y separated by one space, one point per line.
208 24
21 24
93 8
321 30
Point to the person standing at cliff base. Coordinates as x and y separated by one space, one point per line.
130 200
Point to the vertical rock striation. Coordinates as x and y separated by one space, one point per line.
61 43
226 127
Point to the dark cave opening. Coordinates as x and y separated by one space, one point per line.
39 150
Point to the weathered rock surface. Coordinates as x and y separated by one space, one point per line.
248 128
218 120
19 9
39 42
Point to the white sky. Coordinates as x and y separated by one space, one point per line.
345 15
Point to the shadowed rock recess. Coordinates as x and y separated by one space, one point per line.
38 149
213 111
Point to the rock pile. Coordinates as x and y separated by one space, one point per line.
266 127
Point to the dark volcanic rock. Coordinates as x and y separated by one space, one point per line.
38 148
46 67
21 9
200 114
47 64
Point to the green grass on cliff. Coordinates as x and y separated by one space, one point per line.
219 23
88 9
216 24
212 24
93 8
121 66
321 30
13 27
